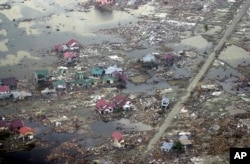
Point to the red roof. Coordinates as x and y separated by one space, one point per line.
121 76
4 88
15 124
59 47
69 55
169 56
102 105
10 81
24 130
117 135
119 101
71 41
103 2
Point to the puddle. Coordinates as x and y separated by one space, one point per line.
3 47
103 128
35 156
146 88
106 128
23 67
39 31
179 73
197 42
226 77
234 56
91 142
141 53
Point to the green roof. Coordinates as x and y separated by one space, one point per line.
42 72
107 78
59 82
97 71
89 82
81 81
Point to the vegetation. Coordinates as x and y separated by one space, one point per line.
118 110
206 27
177 145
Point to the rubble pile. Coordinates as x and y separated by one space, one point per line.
66 151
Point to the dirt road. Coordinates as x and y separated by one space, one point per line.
198 77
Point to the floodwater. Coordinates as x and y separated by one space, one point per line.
29 29
226 76
106 128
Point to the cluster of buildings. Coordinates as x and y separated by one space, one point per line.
153 60
79 78
118 102
17 127
105 2
6 85
8 89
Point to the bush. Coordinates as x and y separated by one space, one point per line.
206 27
177 145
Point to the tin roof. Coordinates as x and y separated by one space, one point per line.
25 129
117 135
4 88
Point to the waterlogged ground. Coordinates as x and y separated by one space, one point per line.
29 31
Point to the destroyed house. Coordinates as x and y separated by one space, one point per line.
10 81
42 76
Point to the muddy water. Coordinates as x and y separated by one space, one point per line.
106 129
34 27
226 77
29 30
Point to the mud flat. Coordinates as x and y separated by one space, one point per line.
235 56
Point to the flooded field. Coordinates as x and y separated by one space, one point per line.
160 46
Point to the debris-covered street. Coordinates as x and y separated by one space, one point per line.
134 81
